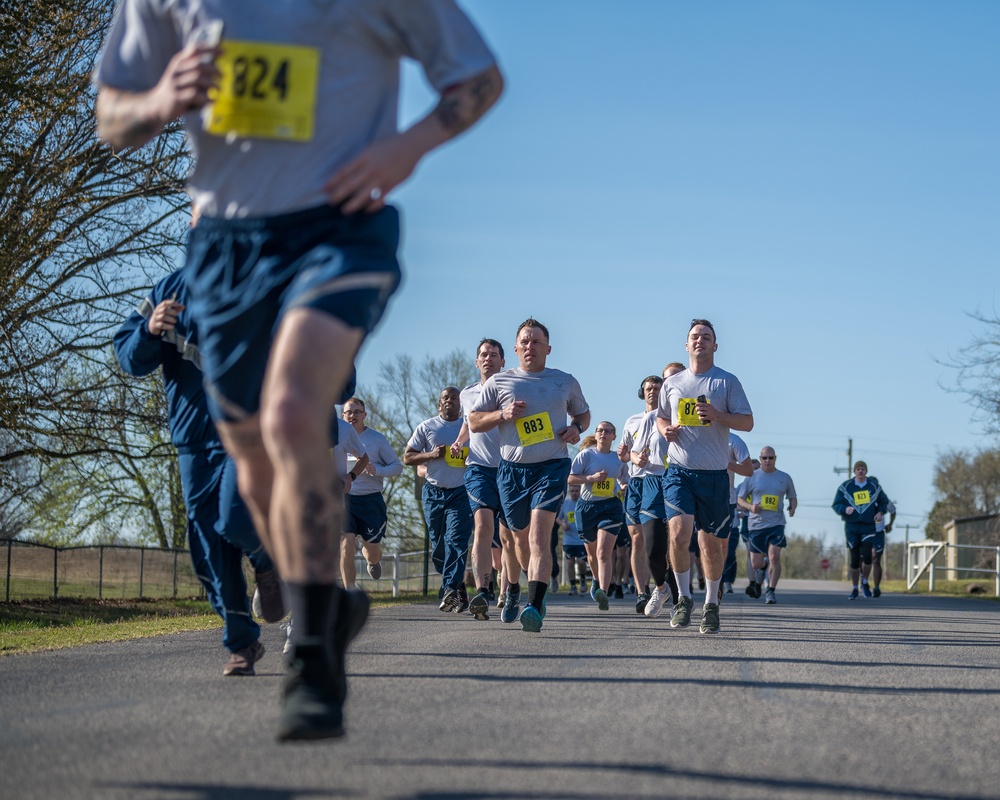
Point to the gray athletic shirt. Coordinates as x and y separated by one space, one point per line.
592 460
484 448
738 453
432 433
342 73
551 396
701 446
648 437
775 486
383 458
347 442
571 536
629 430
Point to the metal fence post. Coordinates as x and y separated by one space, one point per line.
930 575
142 566
395 575
9 545
100 572
175 574
996 567
55 573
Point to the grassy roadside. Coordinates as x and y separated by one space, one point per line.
32 625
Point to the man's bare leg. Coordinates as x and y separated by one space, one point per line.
640 565
348 553
540 555
713 560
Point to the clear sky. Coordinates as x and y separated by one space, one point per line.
821 180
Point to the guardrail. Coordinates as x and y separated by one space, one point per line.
920 558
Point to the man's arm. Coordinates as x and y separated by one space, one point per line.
390 467
413 458
130 119
744 468
461 441
387 163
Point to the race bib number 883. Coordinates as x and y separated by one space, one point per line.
534 429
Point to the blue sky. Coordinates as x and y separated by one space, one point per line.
820 180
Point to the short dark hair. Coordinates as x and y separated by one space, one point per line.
356 400
492 342
531 322
647 379
704 322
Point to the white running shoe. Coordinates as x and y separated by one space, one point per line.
655 604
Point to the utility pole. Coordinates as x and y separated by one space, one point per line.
850 460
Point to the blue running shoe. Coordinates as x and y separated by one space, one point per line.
531 620
510 605
854 594
866 589
602 600
594 589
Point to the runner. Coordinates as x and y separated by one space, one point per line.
767 489
649 391
861 503
649 453
481 479
445 501
574 553
599 472
294 258
530 405
366 512
878 545
739 464
697 408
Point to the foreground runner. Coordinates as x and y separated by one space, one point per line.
530 405
294 258
697 408
599 472
764 495
481 478
861 503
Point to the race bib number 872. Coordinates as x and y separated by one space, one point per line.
266 91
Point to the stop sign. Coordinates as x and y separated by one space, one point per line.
824 563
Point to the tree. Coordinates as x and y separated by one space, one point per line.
978 373
965 485
404 395
83 230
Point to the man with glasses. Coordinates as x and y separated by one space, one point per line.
365 514
530 405
763 495
697 408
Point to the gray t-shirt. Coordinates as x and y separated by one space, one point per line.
629 430
551 396
701 446
571 536
347 443
592 460
738 452
383 458
649 438
446 473
306 86
769 489
484 448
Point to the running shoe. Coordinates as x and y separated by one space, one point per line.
680 617
375 570
876 592
709 619
866 590
450 601
463 599
554 585
510 606
640 603
531 620
479 606
655 603
601 599
854 594
594 589
287 627
727 587
241 661
572 591
753 589
619 593
769 597
268 601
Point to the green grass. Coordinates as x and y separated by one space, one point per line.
32 625
980 589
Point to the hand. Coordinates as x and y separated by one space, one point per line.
878 516
185 82
348 483
514 410
755 508
623 451
600 475
362 183
456 449
791 510
370 469
706 412
643 459
439 451
164 317
849 511
672 432
570 434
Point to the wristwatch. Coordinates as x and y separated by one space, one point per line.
577 425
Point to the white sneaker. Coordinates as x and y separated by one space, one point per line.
288 637
727 588
655 604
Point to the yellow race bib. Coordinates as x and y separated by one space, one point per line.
459 462
605 488
535 429
769 502
862 498
266 91
571 517
687 414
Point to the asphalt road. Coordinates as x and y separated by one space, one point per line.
814 697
